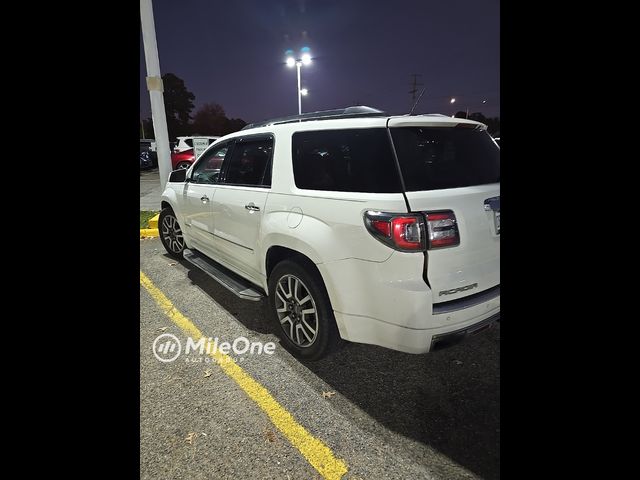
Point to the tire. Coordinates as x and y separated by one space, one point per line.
170 232
183 165
293 326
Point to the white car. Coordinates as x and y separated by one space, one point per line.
186 143
356 225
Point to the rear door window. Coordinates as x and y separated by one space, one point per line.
352 160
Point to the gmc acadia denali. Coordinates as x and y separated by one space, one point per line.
356 225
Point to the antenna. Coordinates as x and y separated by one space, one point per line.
417 101
414 85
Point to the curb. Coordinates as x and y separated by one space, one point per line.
153 221
149 233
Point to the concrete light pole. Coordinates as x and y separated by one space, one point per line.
155 87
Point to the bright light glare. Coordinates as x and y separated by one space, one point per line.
306 59
291 62
453 100
304 91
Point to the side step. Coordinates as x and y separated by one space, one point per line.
228 279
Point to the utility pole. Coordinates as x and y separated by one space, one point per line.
414 87
155 87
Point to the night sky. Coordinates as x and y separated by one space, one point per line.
232 53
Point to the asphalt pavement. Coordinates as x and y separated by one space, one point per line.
150 190
393 415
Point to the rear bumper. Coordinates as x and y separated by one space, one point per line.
448 339
375 332
389 304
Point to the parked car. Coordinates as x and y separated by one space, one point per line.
186 143
356 225
183 156
182 160
146 159
148 145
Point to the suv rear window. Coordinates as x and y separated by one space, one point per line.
354 160
189 142
433 158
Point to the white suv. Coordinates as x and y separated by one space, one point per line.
355 224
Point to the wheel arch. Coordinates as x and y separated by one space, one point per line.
277 253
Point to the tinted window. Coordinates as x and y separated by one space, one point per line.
208 168
356 160
189 142
250 163
436 158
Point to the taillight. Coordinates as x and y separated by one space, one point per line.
414 232
442 229
404 232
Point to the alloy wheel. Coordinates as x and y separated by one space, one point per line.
172 234
296 311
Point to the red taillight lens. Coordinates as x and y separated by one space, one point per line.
442 229
406 233
401 232
382 226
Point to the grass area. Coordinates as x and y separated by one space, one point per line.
145 217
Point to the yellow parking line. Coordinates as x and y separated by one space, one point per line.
317 453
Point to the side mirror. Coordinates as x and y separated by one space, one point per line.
178 176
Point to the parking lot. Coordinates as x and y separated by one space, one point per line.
393 415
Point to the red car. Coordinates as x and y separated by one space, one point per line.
182 160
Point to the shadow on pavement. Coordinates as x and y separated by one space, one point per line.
448 399
251 314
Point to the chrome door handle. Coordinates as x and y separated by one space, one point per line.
204 199
252 207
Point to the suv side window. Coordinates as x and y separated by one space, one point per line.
351 160
250 163
208 167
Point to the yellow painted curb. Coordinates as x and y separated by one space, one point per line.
153 221
149 232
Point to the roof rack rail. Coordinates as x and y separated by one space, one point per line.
348 112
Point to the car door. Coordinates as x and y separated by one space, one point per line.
198 196
238 205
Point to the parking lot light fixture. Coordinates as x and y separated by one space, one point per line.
304 59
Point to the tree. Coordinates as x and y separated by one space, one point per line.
178 104
493 124
147 125
235 124
210 119
460 114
